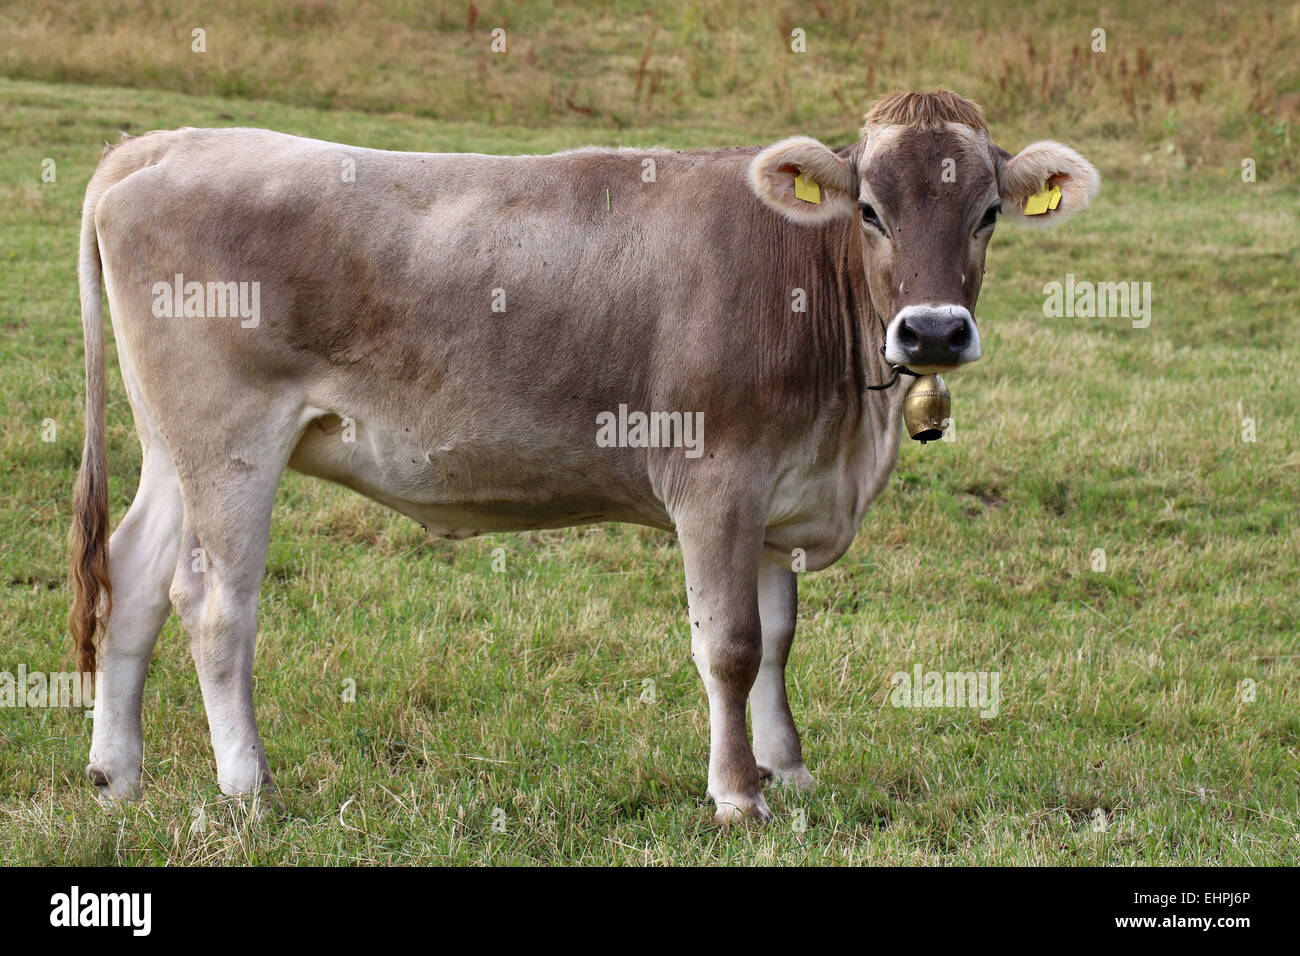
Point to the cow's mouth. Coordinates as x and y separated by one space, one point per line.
930 369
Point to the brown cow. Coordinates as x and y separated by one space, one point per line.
685 340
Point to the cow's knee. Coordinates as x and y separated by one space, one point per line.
733 655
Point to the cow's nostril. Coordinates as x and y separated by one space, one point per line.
907 337
961 338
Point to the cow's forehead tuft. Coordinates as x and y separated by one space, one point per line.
931 110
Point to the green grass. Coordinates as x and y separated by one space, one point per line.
520 690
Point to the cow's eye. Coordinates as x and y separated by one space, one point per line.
870 218
990 218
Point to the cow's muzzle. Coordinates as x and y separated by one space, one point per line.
932 338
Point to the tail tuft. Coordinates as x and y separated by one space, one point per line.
88 577
88 566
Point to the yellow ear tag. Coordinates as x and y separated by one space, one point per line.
807 190
1056 198
1040 202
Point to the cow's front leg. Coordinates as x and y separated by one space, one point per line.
721 556
776 741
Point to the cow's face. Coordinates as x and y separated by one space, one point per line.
926 199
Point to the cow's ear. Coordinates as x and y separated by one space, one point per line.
825 189
1027 180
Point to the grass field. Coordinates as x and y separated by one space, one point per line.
1149 712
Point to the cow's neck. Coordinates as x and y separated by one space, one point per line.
870 423
850 320
820 366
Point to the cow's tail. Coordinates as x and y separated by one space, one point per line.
88 577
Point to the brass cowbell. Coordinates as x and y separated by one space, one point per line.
927 409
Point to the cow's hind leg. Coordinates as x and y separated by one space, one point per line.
228 501
721 554
142 557
776 741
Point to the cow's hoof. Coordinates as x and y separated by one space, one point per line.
250 807
263 805
796 778
258 804
738 809
113 788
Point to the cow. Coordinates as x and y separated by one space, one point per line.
470 339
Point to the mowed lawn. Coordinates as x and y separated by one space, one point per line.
1148 711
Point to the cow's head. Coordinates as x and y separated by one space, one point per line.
926 185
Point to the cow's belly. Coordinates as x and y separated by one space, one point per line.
462 489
